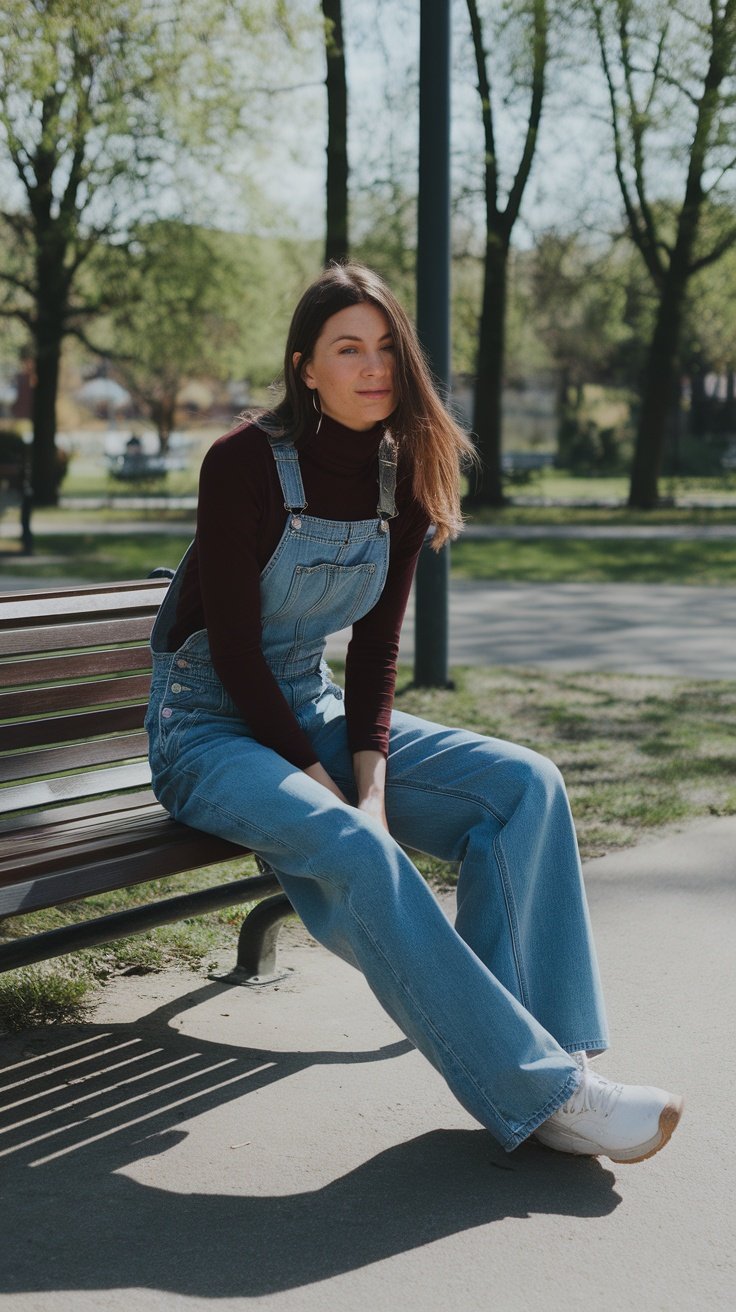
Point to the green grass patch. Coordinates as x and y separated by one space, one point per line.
98 558
108 557
38 996
572 515
606 560
560 485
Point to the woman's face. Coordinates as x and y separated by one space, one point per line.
352 367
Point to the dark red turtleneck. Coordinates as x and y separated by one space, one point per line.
240 520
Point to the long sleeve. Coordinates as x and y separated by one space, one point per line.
370 671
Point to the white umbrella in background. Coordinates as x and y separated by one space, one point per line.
103 391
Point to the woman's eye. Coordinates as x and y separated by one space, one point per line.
348 350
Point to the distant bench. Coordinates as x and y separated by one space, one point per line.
137 466
520 465
77 815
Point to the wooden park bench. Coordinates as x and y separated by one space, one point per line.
77 815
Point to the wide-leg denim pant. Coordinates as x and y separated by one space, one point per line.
499 1001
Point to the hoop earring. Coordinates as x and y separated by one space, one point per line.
318 410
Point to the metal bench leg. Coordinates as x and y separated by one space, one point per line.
259 932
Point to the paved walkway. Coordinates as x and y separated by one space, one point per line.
683 631
632 628
200 1147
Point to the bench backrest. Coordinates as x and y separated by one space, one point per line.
74 675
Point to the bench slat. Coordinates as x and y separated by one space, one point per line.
14 674
51 760
64 606
103 838
66 728
69 786
20 642
25 843
179 849
84 590
47 822
72 696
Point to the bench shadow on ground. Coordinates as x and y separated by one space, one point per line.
82 1103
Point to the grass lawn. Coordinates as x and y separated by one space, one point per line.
637 754
600 560
99 557
96 557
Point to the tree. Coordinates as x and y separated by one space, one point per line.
670 77
336 239
590 305
93 127
500 220
177 320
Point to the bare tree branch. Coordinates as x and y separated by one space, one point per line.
715 253
16 281
484 90
535 112
637 121
637 227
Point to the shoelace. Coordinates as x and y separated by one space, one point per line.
594 1093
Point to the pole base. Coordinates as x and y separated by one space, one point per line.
240 977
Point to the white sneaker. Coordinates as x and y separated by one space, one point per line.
626 1122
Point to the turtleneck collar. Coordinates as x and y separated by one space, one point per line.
342 449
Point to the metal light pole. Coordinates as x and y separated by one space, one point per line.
433 309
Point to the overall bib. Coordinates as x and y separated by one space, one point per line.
496 1002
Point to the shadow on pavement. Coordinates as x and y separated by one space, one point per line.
81 1104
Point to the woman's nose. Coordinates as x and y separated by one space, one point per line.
375 363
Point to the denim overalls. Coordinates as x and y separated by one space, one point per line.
497 1002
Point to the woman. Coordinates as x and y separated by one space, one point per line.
310 519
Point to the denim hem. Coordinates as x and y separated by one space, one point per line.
591 1045
534 1122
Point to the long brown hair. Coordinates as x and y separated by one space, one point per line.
435 446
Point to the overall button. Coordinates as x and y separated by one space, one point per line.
166 712
296 522
384 526
183 665
176 687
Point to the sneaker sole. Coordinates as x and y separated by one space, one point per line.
669 1119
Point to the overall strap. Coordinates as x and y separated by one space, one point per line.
290 478
388 454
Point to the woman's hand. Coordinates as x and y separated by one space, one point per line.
319 773
369 769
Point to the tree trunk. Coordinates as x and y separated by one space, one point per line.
698 424
44 470
162 414
487 417
336 240
657 389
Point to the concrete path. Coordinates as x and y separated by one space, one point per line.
684 631
198 1147
666 629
